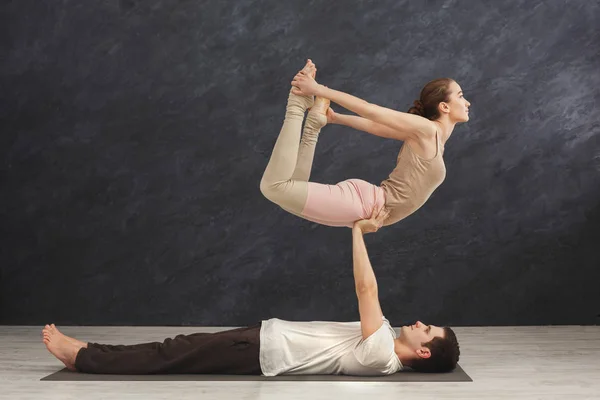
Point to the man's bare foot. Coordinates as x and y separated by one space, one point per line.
60 346
70 339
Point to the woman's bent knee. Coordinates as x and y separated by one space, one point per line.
273 191
288 194
267 189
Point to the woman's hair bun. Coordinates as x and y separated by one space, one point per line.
418 108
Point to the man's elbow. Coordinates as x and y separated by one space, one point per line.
366 288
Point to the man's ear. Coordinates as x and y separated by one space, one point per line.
424 352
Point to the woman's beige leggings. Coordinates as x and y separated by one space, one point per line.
285 180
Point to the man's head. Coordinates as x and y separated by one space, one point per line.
428 348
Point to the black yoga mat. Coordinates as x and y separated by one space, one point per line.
458 375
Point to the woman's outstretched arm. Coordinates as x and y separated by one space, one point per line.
403 125
406 126
365 125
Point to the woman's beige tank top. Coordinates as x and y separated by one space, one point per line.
412 182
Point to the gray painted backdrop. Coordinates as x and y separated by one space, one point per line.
135 133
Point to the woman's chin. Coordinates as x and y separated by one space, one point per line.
460 119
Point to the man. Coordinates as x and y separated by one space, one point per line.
278 347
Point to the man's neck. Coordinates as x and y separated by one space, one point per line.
404 353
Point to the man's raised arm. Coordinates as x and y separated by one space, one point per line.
364 278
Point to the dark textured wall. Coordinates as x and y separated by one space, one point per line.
134 135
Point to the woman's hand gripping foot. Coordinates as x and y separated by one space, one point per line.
304 83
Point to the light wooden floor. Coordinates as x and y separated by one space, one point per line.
561 362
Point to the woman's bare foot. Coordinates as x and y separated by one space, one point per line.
321 105
318 114
300 103
310 69
60 346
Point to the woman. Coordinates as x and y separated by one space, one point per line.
419 167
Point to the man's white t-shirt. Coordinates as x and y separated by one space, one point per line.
323 347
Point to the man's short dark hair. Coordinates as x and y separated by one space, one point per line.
444 354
